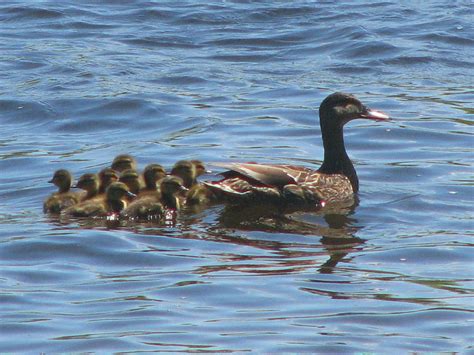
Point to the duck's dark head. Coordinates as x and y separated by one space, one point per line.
339 108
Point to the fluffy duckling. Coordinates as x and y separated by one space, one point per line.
124 162
149 207
63 198
89 183
186 170
106 177
151 175
189 171
114 201
171 187
199 194
131 178
200 167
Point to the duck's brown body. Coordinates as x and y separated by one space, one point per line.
285 183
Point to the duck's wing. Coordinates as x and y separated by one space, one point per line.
269 175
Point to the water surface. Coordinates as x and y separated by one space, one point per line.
238 81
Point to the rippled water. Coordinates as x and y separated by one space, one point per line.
238 80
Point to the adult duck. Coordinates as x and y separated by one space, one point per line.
64 197
335 180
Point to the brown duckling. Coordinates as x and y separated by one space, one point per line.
198 193
114 201
200 167
171 187
63 198
149 207
106 177
131 178
151 175
124 162
186 171
89 183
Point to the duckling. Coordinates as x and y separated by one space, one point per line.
63 198
151 175
200 167
106 177
131 178
170 188
186 170
149 207
199 194
123 162
89 183
114 201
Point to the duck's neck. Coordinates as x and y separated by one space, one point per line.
116 205
336 160
189 181
171 201
92 192
63 189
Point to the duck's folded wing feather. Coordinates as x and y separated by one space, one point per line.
266 174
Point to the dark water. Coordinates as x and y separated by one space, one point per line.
239 80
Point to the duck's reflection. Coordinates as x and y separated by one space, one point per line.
282 231
334 226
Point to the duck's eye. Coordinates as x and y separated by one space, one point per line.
351 108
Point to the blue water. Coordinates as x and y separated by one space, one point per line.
81 82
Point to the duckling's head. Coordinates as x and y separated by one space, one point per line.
131 178
106 177
186 171
153 173
117 191
171 185
199 167
62 178
123 162
88 182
